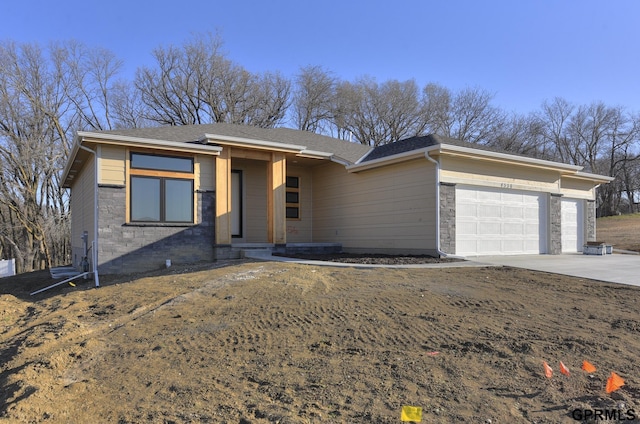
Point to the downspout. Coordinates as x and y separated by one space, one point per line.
95 208
437 164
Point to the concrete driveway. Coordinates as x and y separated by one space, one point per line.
616 268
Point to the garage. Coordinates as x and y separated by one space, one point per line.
499 221
572 218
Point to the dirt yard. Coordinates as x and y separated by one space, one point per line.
261 342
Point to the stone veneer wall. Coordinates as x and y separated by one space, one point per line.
136 247
591 220
555 224
448 218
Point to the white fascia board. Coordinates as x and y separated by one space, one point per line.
389 160
314 154
251 143
363 156
71 158
148 143
592 177
445 148
338 159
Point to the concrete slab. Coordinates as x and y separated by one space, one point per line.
614 268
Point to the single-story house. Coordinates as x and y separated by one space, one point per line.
205 192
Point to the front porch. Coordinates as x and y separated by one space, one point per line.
264 203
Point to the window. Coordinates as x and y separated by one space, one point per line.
161 188
161 163
293 198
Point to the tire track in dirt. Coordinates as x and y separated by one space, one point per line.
265 344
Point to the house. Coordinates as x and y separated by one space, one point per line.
205 192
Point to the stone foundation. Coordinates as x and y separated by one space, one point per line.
143 247
448 218
555 224
591 220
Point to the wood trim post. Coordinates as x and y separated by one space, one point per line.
223 197
276 199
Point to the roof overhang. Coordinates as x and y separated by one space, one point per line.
314 154
76 159
272 146
390 160
586 176
98 138
209 144
451 150
506 158
250 143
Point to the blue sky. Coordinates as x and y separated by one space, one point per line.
523 51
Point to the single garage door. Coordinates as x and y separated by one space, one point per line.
499 221
572 223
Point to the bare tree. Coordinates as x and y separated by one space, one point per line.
378 113
523 135
31 150
554 119
630 180
45 96
263 102
127 107
603 139
467 115
88 76
197 84
313 99
436 107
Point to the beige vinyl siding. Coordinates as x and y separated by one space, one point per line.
82 208
577 188
112 164
206 177
300 230
389 209
500 175
254 202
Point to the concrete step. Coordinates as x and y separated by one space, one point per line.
255 253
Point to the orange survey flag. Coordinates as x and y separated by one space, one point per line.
564 370
614 382
588 366
548 372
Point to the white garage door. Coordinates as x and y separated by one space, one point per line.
499 222
572 220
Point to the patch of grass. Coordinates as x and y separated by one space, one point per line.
621 231
620 217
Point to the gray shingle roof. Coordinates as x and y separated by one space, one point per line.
421 142
348 151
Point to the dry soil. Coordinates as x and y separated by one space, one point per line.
263 342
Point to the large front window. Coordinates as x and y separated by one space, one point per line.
161 189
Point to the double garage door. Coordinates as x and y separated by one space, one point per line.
493 221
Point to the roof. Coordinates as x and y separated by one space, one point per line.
420 142
348 151
356 157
